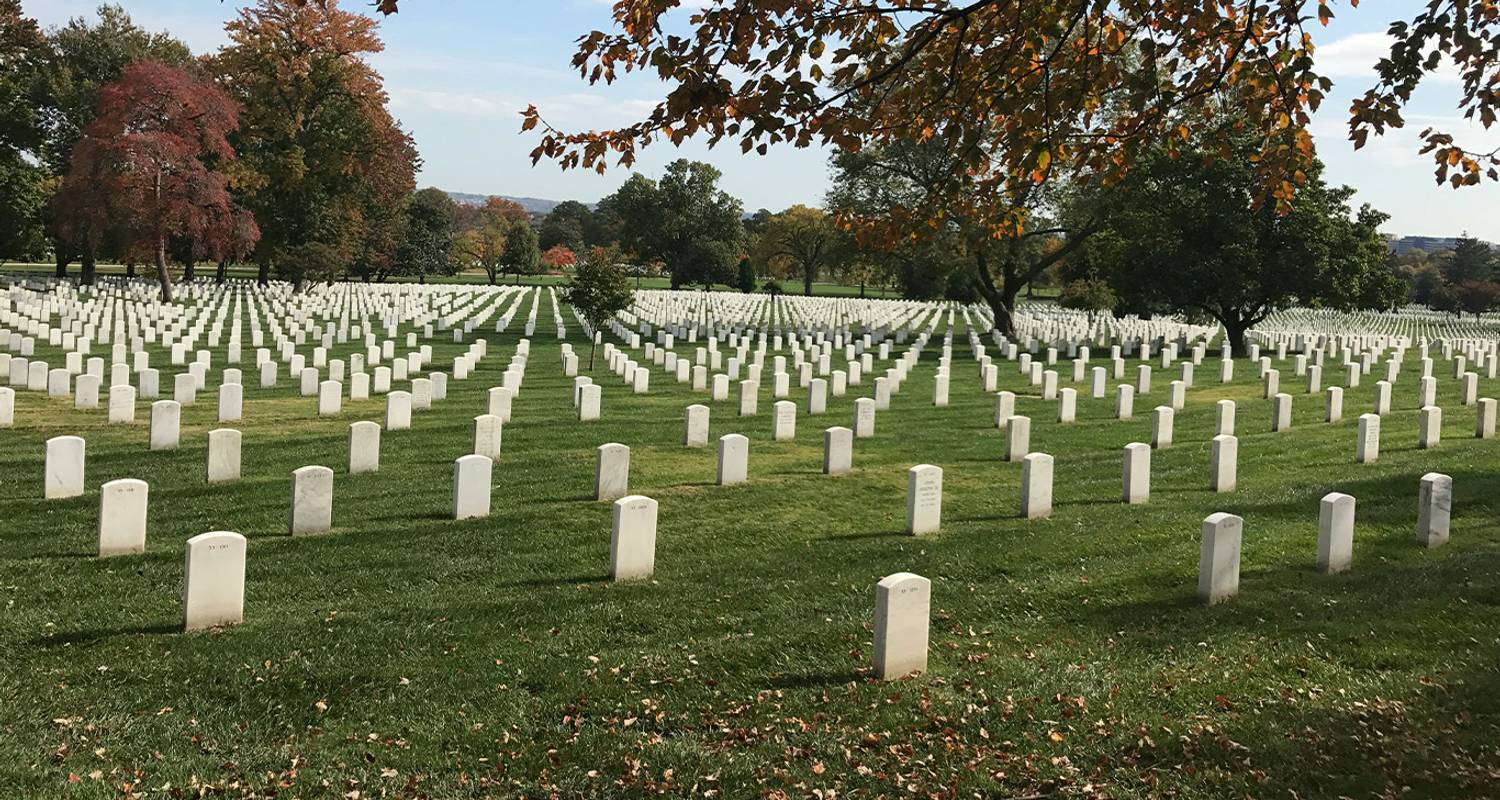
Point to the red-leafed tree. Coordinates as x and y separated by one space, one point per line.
558 256
153 158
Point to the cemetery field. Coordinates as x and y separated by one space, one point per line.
406 654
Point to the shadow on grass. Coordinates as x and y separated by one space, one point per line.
92 635
543 583
815 680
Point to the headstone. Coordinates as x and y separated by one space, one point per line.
838 450
330 398
1334 407
471 486
500 401
1036 486
398 411
1224 412
1429 427
1219 558
1434 509
632 541
488 436
924 499
903 608
1161 427
223 455
1137 473
122 517
784 421
695 428
588 403
1223 463
1335 532
1005 408
1124 402
231 402
1281 412
734 458
1367 448
8 407
1017 438
1484 422
166 425
312 500
612 471
864 418
364 447
213 590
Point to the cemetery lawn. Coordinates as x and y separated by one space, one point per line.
408 655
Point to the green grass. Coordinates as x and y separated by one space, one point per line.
250 272
409 655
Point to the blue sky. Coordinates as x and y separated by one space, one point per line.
460 71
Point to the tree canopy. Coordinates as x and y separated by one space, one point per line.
1184 234
684 221
321 158
152 162
1018 91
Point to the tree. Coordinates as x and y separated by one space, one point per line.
74 65
427 248
22 190
1470 261
558 257
521 254
1089 294
321 158
685 221
800 237
599 290
1187 236
484 231
571 224
745 276
147 163
879 194
1015 90
1475 296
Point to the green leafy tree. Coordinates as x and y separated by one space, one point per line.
22 180
1471 260
1188 236
521 253
685 221
802 239
600 289
745 279
1090 294
572 225
427 248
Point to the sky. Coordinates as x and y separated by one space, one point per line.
459 72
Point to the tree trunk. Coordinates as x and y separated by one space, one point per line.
130 269
807 281
62 263
263 276
222 272
188 269
89 269
163 276
1001 299
592 345
1234 334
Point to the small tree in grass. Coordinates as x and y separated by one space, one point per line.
600 288
745 280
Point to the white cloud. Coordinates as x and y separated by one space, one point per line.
1356 55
